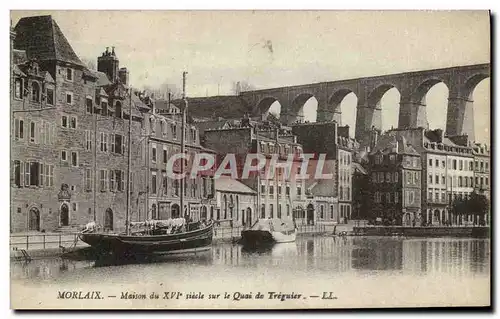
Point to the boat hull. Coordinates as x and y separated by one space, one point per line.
188 242
255 238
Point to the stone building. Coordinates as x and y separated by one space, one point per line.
481 169
68 122
163 137
396 173
334 142
280 195
447 172
236 203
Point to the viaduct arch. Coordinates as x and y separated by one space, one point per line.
412 86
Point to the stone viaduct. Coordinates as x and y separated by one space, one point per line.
412 86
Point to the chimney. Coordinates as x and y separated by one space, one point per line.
108 64
440 135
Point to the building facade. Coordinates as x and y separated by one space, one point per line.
482 169
236 203
447 171
279 195
396 171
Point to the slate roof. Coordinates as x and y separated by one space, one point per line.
323 187
42 39
391 143
227 184
102 78
216 106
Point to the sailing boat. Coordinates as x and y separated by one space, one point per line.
157 237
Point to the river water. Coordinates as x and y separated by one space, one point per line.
314 272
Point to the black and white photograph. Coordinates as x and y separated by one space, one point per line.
250 159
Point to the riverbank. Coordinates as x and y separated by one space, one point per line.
432 231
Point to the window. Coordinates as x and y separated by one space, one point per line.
454 164
443 180
299 191
64 121
69 74
481 165
193 188
64 155
88 179
18 88
279 189
153 153
176 187
118 109
271 212
104 107
271 189
388 197
486 181
396 197
69 98
262 189
436 163
417 177
374 177
103 180
88 140
153 182
117 143
430 179
89 105
436 179
487 166
73 123
460 165
471 183
396 177
120 180
287 190
164 185
35 92
165 155
50 96
411 197
377 197
443 164
104 142
481 181
174 131
430 162
74 159
18 174
193 135
19 129
321 212
460 181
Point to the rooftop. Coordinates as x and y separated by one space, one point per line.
227 184
42 39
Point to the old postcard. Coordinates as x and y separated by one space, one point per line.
249 159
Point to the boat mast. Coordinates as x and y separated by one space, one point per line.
129 164
183 140
95 163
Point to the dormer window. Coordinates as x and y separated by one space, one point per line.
118 109
69 74
35 92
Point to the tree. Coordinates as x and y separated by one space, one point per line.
476 205
90 64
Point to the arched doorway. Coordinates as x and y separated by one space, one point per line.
436 218
176 211
108 219
310 214
64 215
34 219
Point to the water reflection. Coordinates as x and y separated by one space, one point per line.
316 255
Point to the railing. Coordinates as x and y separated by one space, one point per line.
42 241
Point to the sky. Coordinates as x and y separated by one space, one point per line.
279 48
